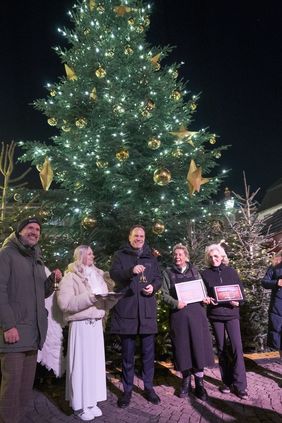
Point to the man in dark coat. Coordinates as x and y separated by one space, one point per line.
23 317
273 280
136 272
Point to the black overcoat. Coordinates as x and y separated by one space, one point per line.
135 313
274 335
189 329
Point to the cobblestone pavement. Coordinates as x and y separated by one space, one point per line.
264 403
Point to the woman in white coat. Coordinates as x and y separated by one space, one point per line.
86 373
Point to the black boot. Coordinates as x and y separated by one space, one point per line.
186 387
200 391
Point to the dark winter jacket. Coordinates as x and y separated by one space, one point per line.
23 288
189 331
216 276
135 312
273 274
173 275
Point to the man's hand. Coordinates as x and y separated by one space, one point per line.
11 336
234 303
138 269
279 283
148 290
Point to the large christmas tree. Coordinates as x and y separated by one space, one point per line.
125 150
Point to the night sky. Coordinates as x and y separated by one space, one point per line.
232 54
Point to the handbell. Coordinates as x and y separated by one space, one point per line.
143 278
56 283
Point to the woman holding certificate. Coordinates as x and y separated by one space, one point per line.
190 336
78 294
225 291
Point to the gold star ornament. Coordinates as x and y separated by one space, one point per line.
92 5
46 174
71 76
184 133
155 61
194 178
122 10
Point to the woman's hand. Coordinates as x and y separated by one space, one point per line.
181 305
57 274
234 303
213 301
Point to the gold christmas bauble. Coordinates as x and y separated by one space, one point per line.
193 106
175 95
77 185
131 21
86 31
162 176
154 143
39 167
17 197
52 121
212 139
216 154
110 53
140 29
100 72
100 8
128 51
145 113
177 152
146 21
43 213
53 93
81 123
102 164
122 154
89 222
158 228
150 105
66 128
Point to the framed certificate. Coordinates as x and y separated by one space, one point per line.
191 291
228 293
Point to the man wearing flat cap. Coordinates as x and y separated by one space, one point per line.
23 317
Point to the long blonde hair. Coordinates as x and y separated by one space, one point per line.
219 249
78 257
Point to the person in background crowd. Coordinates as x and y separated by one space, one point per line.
224 317
23 317
136 272
191 339
80 297
273 280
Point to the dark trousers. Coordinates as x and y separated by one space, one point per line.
232 368
148 357
18 372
